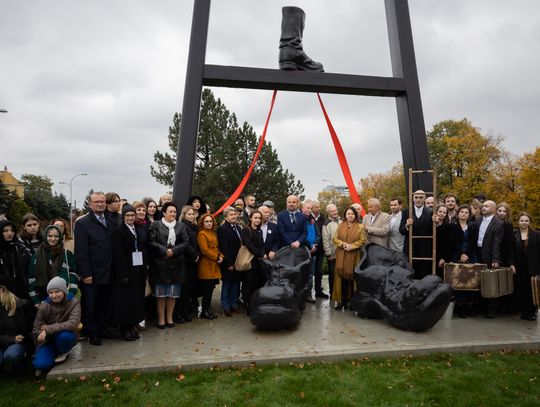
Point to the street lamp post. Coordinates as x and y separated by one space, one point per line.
70 183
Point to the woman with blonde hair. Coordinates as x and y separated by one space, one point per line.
15 327
349 239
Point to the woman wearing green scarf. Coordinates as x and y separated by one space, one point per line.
51 260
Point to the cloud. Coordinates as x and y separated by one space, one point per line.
92 87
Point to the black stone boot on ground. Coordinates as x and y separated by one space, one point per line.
291 53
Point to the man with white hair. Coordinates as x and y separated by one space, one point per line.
328 232
377 223
269 232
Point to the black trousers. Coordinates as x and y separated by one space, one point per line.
207 287
95 301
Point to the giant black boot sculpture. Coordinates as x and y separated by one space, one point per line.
279 304
291 53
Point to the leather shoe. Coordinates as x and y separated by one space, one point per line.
339 306
311 299
208 315
170 325
129 337
179 320
322 295
161 326
94 340
109 334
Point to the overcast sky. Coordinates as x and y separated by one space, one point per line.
91 87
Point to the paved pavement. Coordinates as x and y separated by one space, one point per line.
322 334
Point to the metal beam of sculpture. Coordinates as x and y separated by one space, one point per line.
403 86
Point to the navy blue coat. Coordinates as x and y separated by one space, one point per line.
229 244
93 248
289 233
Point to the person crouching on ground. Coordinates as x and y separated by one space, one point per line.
56 326
15 326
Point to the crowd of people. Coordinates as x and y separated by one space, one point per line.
130 262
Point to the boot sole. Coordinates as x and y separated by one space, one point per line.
291 66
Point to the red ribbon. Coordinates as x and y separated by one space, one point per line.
342 159
339 152
244 181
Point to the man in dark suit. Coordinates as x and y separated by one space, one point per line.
93 252
489 240
292 225
422 225
229 241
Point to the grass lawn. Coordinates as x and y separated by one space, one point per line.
486 379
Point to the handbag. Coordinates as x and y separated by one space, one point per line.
243 259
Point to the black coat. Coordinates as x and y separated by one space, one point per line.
192 254
93 248
490 251
271 244
470 247
422 226
507 251
18 324
14 261
167 270
229 244
446 241
529 265
128 283
253 240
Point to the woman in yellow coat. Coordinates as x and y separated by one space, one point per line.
208 271
349 238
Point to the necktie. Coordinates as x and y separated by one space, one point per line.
236 230
102 220
293 218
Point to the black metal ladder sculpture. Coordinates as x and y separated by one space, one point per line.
403 86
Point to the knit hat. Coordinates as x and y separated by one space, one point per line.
57 283
127 208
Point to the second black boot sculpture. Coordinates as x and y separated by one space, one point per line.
291 53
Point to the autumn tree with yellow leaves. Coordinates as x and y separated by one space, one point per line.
468 162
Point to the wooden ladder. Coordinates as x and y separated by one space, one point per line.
433 236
